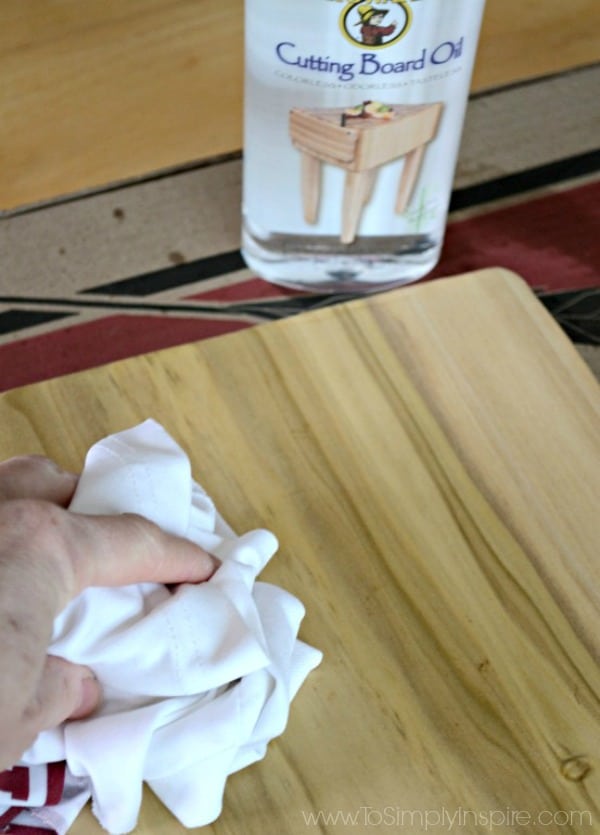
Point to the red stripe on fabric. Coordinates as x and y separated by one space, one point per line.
551 241
18 829
16 782
9 815
96 343
56 783
248 290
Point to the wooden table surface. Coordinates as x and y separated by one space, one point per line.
429 460
103 91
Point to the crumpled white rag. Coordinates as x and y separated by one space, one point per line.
196 682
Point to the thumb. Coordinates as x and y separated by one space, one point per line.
65 691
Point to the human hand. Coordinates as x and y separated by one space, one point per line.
48 556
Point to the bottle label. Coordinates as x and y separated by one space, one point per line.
353 114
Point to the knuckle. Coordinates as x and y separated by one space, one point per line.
36 543
33 475
33 517
26 460
37 531
27 465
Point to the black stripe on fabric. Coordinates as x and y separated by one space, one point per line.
223 263
261 309
532 178
171 277
577 312
18 320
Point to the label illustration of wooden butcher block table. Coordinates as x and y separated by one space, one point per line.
360 145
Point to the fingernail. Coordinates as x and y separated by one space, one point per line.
90 697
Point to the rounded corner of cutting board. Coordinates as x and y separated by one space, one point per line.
495 274
492 280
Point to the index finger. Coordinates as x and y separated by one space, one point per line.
97 550
118 550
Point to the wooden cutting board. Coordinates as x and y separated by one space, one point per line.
429 460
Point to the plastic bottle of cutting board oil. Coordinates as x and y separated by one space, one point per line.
353 118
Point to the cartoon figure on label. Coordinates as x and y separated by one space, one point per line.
371 30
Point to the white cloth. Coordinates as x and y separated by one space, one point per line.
196 682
